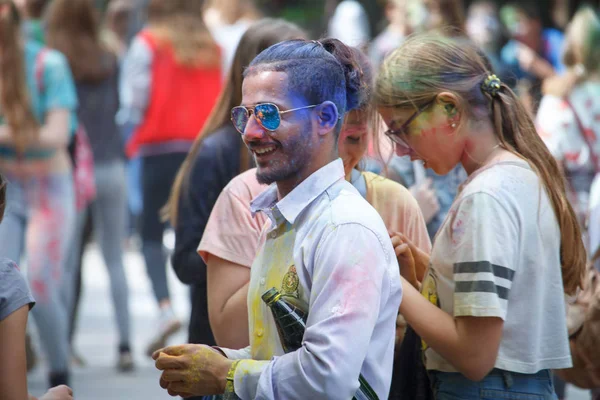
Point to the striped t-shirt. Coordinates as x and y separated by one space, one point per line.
497 255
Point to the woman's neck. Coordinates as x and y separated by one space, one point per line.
481 148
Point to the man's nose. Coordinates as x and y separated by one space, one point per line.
254 131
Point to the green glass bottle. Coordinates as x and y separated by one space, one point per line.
291 324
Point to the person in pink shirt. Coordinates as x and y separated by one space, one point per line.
231 237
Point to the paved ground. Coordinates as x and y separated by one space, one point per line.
96 337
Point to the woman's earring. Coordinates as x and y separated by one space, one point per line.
453 125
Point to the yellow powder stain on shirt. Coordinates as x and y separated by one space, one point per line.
268 270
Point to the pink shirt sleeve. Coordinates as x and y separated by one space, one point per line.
232 233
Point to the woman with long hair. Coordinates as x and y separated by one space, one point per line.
171 80
492 315
72 28
219 149
37 105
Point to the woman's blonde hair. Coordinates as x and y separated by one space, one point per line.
257 38
426 65
15 104
583 40
180 23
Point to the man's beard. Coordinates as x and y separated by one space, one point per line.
290 165
281 172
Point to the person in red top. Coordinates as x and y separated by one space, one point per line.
171 80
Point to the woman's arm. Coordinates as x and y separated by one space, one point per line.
55 134
227 302
470 344
13 367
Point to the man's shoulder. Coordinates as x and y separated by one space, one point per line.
343 205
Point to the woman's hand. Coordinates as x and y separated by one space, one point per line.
413 261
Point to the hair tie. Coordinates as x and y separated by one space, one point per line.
491 85
318 43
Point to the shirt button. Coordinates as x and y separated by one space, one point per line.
259 332
262 281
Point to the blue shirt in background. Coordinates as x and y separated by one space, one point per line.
552 49
57 91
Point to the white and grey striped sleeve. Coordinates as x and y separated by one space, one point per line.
484 257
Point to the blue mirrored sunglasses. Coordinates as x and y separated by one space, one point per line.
267 115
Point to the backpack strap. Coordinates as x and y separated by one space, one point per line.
585 137
39 69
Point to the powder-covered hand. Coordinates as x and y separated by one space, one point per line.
192 370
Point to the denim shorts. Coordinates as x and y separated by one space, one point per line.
497 385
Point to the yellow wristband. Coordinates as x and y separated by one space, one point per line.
229 388
231 372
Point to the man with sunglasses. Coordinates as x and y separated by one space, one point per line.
325 248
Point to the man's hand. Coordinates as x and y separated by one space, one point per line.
192 370
413 261
427 199
61 392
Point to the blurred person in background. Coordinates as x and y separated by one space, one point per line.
533 53
32 12
38 102
116 23
218 155
72 28
569 115
15 303
171 80
398 28
350 24
485 29
446 16
227 21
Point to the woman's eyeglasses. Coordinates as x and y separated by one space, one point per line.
396 134
267 115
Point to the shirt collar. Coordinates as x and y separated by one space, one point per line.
298 199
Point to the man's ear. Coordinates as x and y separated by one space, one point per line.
327 117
